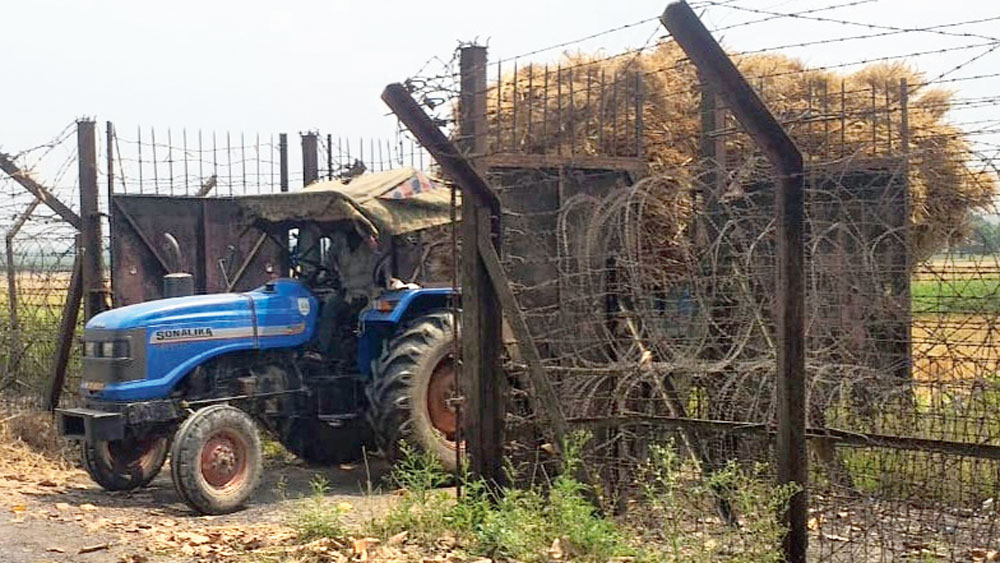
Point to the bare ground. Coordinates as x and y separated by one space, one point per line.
51 511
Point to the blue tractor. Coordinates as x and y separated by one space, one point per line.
337 356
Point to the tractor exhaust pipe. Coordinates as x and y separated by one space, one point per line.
180 284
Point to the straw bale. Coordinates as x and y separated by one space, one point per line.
589 109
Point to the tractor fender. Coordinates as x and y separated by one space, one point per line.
390 312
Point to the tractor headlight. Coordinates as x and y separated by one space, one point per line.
106 349
119 349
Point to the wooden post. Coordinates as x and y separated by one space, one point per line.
307 247
792 459
283 164
482 374
67 331
95 294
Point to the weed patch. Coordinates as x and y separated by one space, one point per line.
557 521
676 500
319 518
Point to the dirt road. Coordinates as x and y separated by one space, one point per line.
65 517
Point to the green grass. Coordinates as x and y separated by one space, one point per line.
557 520
508 525
38 336
319 518
677 495
973 295
971 417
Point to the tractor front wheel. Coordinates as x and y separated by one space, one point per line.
123 465
410 399
216 461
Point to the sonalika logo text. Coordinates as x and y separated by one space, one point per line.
179 333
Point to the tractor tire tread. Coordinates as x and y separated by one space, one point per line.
185 459
110 481
389 394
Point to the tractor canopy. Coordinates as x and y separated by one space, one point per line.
393 202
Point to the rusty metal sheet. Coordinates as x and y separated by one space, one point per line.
207 231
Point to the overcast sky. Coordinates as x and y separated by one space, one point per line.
267 67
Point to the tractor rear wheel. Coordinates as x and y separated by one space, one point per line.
410 397
216 460
123 465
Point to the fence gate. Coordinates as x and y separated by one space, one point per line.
207 237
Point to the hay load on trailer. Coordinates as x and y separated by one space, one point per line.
831 116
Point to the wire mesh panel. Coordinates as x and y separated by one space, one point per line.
154 161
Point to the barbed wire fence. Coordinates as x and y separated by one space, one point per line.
38 256
189 163
639 239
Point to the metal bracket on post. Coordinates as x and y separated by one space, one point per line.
699 45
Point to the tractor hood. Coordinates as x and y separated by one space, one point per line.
175 310
142 351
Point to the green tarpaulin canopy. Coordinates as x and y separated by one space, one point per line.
395 202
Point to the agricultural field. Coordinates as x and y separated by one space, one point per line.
956 320
957 285
955 364
37 290
27 355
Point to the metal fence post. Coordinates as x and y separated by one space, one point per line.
283 186
14 345
109 130
792 459
481 315
310 158
67 331
283 161
307 247
90 214
13 360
